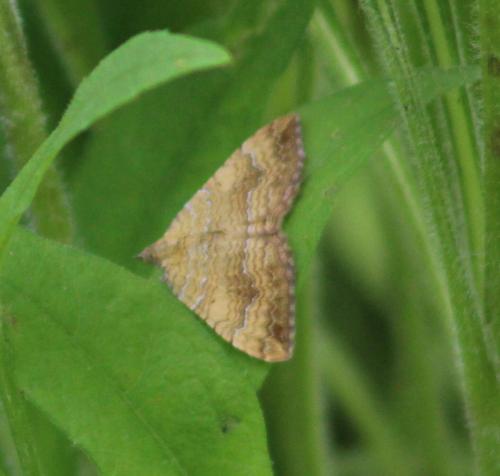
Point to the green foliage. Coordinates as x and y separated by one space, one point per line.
135 374
123 76
161 130
393 255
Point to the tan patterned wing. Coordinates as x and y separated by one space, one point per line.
242 288
267 329
224 254
220 205
277 151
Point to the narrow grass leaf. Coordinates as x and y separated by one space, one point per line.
140 64
341 133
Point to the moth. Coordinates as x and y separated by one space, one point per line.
225 255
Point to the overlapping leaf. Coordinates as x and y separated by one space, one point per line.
154 154
122 366
144 62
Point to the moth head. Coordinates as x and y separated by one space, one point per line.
159 251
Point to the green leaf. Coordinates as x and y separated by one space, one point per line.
341 133
155 154
125 369
490 35
142 63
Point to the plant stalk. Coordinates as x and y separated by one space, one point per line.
24 125
459 292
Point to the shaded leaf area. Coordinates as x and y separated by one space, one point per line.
123 18
142 63
143 164
125 369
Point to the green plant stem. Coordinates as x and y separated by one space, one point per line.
466 38
341 54
293 404
352 73
464 147
24 125
458 291
346 384
490 60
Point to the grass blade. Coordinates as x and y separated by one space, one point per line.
142 63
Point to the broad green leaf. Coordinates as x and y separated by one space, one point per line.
142 63
153 155
124 369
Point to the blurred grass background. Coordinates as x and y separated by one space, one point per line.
376 386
